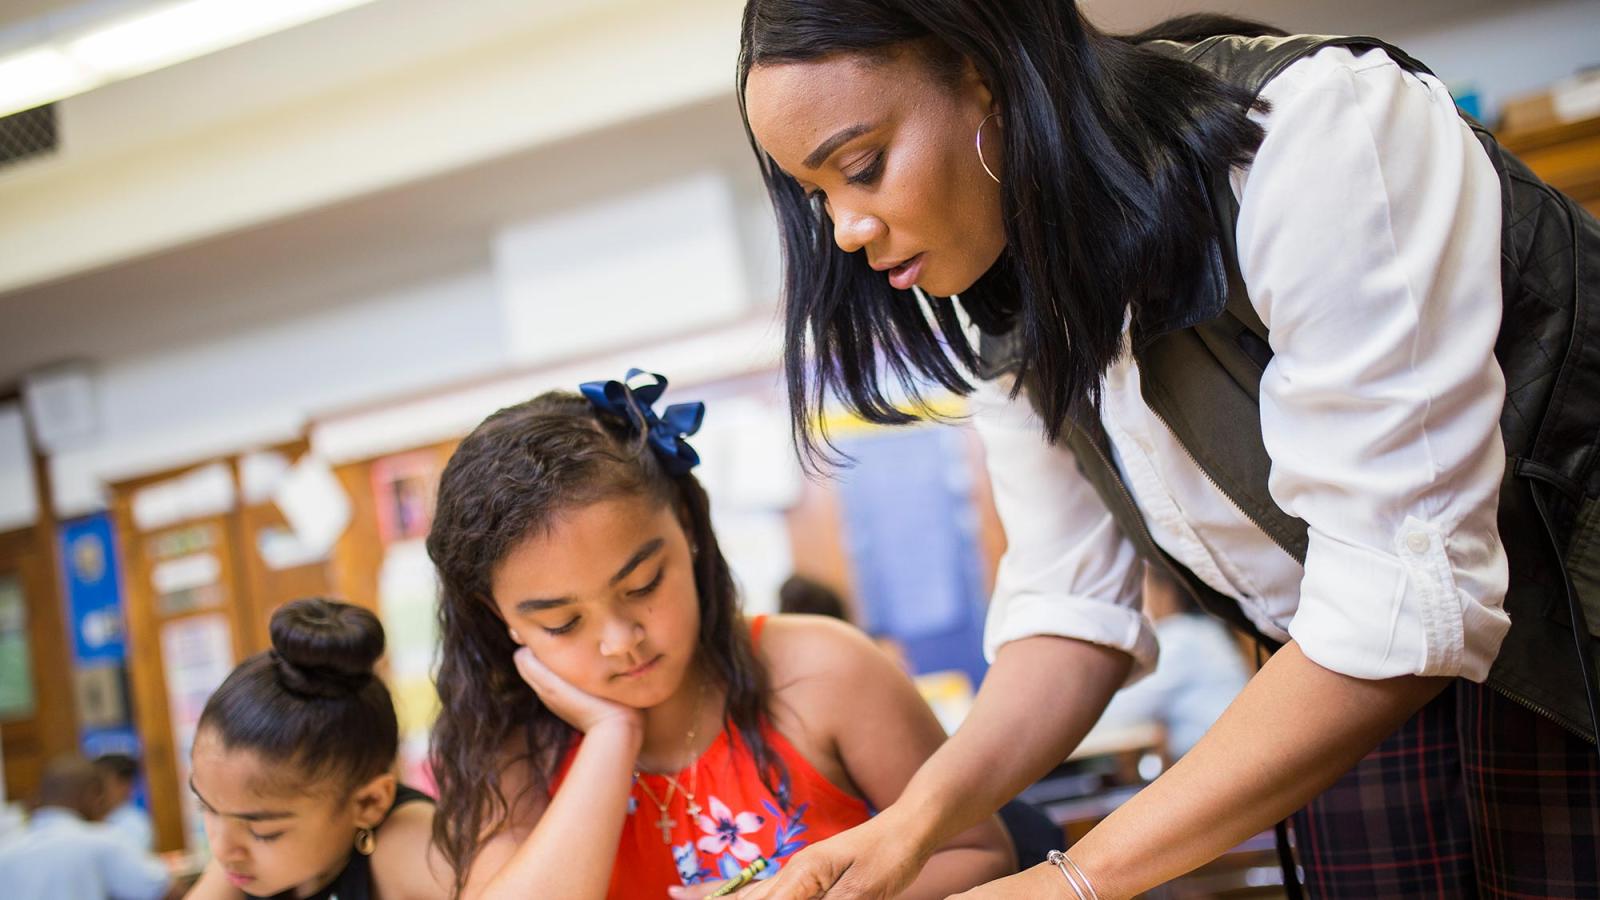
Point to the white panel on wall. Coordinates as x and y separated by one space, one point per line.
60 401
653 263
19 504
209 397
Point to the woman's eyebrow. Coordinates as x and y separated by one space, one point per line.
839 139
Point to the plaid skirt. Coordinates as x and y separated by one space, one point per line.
1475 796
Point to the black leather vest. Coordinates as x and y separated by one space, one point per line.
1200 371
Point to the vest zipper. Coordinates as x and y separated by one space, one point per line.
1144 529
1218 485
1535 708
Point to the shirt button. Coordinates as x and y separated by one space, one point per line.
1417 542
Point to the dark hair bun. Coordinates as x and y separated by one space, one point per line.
323 648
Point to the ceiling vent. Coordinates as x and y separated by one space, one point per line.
27 134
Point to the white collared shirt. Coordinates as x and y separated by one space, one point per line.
62 857
1369 241
132 823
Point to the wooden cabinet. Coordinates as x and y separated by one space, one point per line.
1567 156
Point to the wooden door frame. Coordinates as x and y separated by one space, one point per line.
52 730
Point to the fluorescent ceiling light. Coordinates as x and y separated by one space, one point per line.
37 76
154 38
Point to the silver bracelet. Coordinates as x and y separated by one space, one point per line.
1062 862
1087 884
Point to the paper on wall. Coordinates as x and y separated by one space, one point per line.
314 503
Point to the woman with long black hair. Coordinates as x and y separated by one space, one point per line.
1267 312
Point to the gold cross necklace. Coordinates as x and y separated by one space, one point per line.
666 823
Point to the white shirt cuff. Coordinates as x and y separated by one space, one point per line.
1031 614
1369 614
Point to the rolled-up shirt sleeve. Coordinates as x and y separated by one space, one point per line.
1068 570
1369 239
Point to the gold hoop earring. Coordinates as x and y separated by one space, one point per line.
366 841
981 160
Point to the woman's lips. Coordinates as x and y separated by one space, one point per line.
903 276
239 881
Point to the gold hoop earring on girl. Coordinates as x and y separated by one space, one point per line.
981 161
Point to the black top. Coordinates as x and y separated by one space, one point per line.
354 881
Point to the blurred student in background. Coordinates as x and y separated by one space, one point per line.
65 854
1199 672
121 773
800 595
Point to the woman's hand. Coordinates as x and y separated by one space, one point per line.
582 711
872 860
1041 882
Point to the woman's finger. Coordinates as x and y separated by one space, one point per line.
799 879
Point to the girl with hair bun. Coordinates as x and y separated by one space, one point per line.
293 765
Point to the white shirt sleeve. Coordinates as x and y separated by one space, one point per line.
1369 239
1068 570
129 873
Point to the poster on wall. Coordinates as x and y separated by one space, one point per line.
407 602
99 644
404 487
185 569
197 654
16 663
93 599
912 534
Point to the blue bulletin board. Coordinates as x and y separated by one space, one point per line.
99 647
88 554
912 534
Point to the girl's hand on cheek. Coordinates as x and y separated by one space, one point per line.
582 711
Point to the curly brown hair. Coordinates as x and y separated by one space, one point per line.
511 478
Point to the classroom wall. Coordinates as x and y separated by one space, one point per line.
1508 50
1501 47
242 341
220 393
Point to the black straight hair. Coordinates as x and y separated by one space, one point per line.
311 704
1108 148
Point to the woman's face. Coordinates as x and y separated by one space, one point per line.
888 145
269 831
606 599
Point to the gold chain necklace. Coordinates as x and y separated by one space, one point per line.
666 823
693 808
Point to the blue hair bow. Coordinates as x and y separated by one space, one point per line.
634 405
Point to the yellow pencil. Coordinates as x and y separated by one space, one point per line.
745 876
